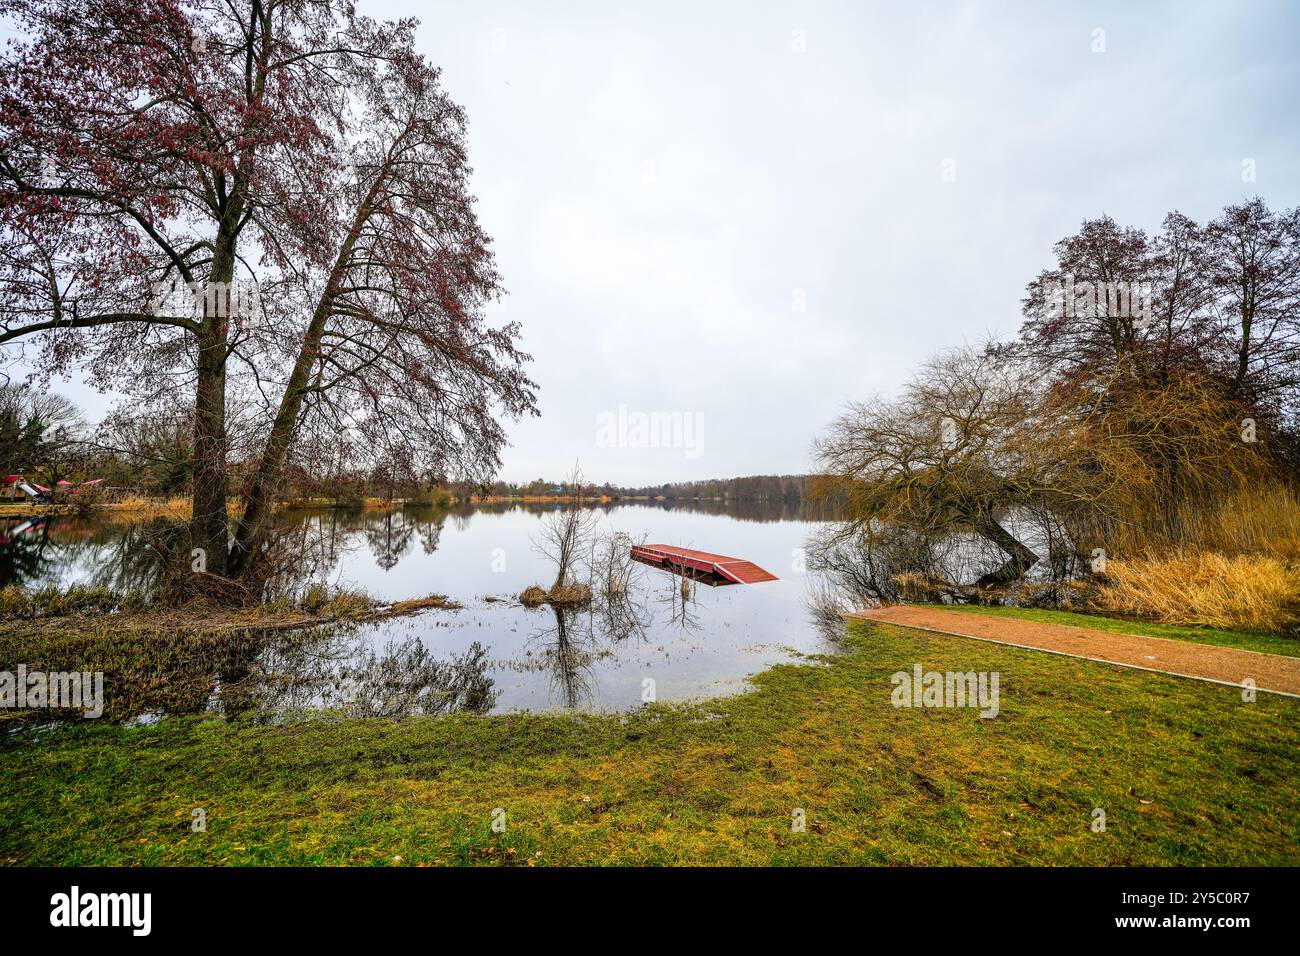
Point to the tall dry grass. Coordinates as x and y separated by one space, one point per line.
1233 564
1246 592
1254 519
1259 520
131 506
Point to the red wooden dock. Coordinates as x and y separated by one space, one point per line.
736 570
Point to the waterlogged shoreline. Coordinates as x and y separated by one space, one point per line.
721 782
126 664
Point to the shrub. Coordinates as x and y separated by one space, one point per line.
565 594
350 499
532 596
575 593
430 498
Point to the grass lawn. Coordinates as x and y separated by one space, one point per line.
1244 640
1186 772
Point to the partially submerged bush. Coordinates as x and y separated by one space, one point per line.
570 594
1246 592
532 596
827 606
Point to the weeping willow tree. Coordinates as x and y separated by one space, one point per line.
979 465
966 442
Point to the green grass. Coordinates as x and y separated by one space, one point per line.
52 601
1245 640
1186 772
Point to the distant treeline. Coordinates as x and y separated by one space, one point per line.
45 437
785 488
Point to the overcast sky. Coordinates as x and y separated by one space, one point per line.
738 211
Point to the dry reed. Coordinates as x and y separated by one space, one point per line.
1241 592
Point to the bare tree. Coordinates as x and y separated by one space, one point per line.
566 535
967 441
1252 258
37 430
288 145
979 462
1224 306
620 608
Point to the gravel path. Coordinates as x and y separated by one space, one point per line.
1224 665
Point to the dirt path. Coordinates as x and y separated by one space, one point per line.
1222 665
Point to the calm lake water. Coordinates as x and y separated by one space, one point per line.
491 656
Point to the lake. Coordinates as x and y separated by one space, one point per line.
492 655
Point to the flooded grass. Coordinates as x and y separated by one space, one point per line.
713 783
52 601
160 661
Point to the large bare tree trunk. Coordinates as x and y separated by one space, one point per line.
259 502
210 527
1020 560
265 487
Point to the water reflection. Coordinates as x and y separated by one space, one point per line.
24 547
492 656
566 650
565 653
341 673
264 675
737 509
677 597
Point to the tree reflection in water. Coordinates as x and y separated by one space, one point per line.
305 546
575 637
267 676
341 673
678 594
566 651
275 676
123 558
25 550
